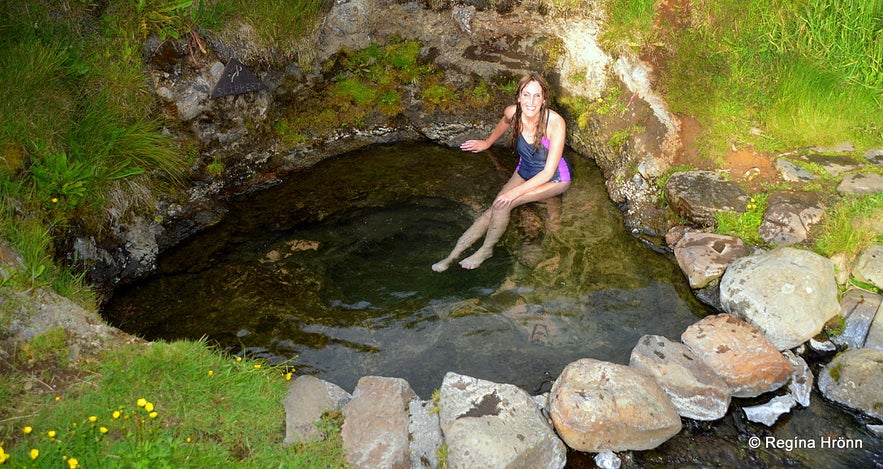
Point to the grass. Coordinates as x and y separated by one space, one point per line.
849 226
744 225
180 404
803 73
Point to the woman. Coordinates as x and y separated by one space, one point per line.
542 172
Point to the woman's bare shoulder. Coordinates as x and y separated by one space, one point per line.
509 112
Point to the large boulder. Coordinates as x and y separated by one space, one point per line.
695 390
739 353
788 293
699 195
375 427
492 425
854 378
599 406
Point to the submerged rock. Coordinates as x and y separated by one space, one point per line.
739 353
599 406
854 378
695 390
492 425
788 293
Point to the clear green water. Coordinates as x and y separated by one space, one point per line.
330 272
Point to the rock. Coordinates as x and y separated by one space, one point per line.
695 390
860 183
739 353
801 382
703 257
868 267
822 346
859 308
699 195
308 397
491 425
788 293
854 378
835 165
875 156
842 269
793 173
598 406
768 413
876 430
789 217
375 427
426 435
608 460
874 338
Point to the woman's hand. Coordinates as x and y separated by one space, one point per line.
504 199
474 146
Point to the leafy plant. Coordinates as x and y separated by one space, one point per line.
61 182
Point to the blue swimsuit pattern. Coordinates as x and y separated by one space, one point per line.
531 162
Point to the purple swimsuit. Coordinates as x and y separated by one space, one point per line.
531 162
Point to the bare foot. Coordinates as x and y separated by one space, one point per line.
441 265
475 260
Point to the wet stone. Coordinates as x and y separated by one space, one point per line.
860 183
792 172
854 378
835 165
704 257
375 428
699 195
308 397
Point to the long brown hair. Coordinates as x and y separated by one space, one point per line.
541 125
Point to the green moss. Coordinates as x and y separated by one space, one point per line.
835 326
835 370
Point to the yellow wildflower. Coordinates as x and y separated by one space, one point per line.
27 430
55 200
116 414
239 359
57 398
257 366
73 463
148 406
102 429
141 402
93 418
211 372
188 439
288 376
3 456
51 433
35 453
152 415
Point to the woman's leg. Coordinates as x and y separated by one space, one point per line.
476 231
499 220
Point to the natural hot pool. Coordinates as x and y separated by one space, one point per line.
330 272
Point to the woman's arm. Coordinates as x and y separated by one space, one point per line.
476 146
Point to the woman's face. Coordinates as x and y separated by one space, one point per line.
531 99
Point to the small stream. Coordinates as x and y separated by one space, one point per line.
329 272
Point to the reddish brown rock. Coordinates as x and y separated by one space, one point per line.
739 353
598 406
